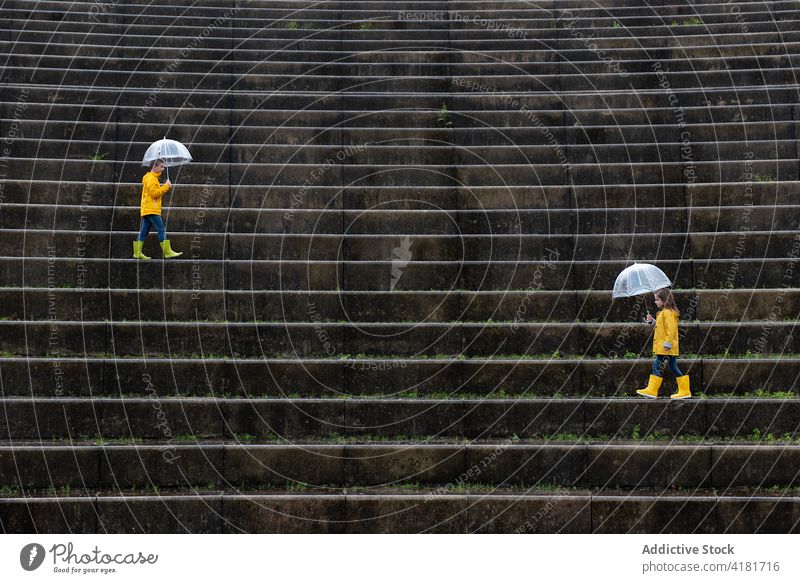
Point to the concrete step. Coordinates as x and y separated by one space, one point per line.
374 8
509 35
275 511
352 25
407 512
199 274
420 248
77 304
606 145
508 39
203 123
140 99
767 377
442 64
222 80
410 340
669 56
467 197
543 146
418 13
519 464
247 123
390 221
556 171
458 15
315 418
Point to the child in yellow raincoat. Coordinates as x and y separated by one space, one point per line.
665 347
152 192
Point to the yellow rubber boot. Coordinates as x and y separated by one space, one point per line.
683 388
167 249
137 250
652 387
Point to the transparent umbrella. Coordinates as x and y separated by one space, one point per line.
639 278
172 152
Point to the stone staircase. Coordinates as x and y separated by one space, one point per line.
400 232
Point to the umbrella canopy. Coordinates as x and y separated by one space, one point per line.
173 153
639 278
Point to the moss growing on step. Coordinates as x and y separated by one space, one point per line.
402 359
7 491
687 22
444 119
441 395
776 490
63 491
564 437
345 439
760 394
636 434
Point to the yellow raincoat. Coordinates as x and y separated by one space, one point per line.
666 331
152 191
